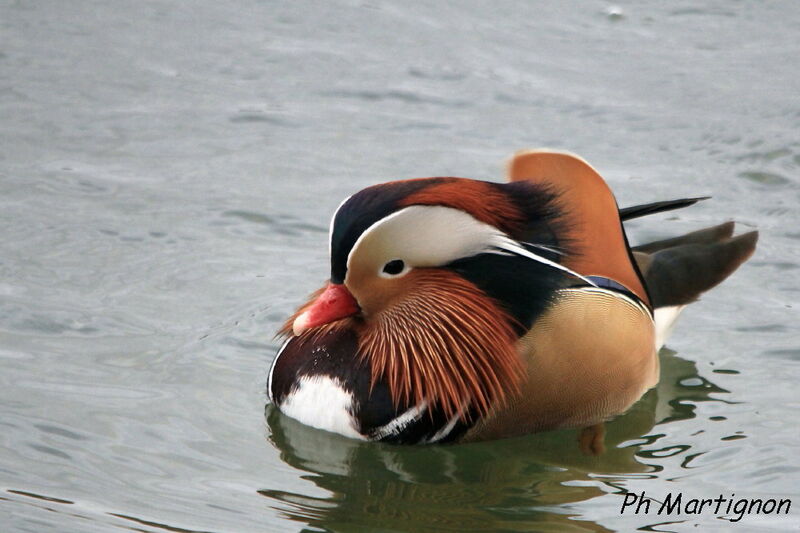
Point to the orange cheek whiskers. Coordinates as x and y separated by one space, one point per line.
446 343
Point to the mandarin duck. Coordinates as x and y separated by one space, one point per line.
464 310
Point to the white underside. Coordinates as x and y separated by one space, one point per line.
665 318
321 402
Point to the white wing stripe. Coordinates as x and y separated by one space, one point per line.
397 424
445 431
505 243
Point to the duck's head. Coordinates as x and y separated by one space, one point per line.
440 277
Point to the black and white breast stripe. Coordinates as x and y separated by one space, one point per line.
609 286
328 387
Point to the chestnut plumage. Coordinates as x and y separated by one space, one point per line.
460 309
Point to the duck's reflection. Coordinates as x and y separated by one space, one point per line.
522 483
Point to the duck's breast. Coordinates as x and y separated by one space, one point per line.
320 380
588 358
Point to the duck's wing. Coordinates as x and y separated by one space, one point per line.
591 218
591 355
674 271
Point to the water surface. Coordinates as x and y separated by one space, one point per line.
167 173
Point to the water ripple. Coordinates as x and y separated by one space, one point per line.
406 97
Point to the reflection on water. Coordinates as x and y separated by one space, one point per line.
522 483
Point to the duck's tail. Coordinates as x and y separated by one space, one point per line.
678 270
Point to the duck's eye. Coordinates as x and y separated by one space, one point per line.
394 267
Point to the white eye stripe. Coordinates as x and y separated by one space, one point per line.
425 236
433 236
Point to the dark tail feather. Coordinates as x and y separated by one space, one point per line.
703 236
678 274
636 211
